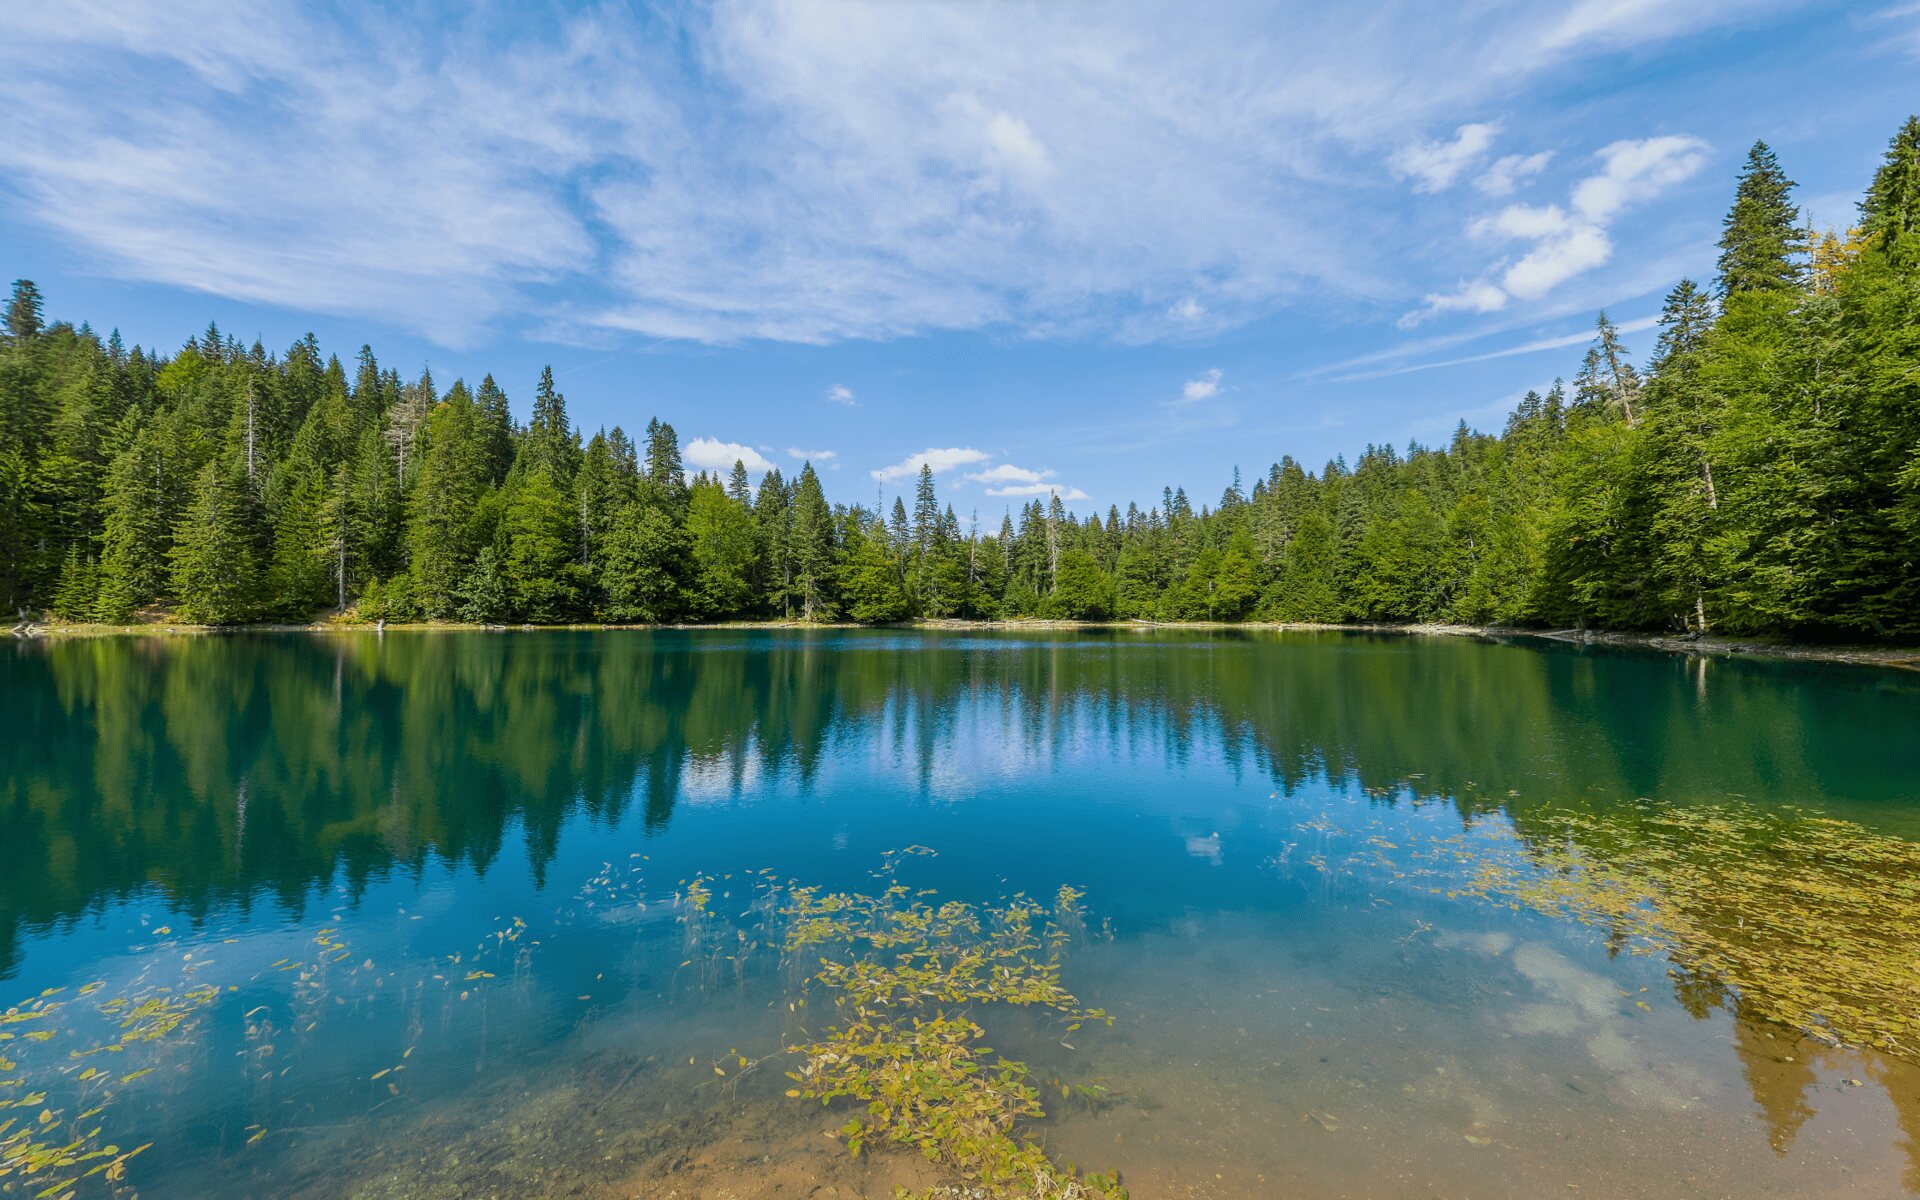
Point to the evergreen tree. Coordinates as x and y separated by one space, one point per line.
874 592
723 549
1081 589
644 552
1761 474
449 481
810 548
538 560
1890 215
549 445
663 466
216 551
1761 236
140 513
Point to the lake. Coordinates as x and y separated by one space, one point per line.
498 914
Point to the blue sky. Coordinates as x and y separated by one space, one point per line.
1095 248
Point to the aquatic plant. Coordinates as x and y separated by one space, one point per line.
1806 921
41 1145
905 975
1813 921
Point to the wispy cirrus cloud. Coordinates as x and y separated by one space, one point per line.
759 169
1534 346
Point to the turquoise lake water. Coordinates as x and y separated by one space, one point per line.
403 914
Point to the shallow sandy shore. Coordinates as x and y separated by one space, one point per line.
1907 657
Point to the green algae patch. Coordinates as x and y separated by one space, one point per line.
904 975
1811 921
900 981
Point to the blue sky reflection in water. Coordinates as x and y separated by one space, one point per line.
486 833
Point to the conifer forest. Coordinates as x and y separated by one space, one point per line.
1759 473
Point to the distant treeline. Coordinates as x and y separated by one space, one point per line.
1761 474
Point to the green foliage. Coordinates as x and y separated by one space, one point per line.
906 977
1081 590
1762 234
217 549
873 590
643 555
1809 920
1761 474
811 552
723 549
539 563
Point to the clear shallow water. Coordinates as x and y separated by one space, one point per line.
1295 1014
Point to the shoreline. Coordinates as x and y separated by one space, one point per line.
1901 657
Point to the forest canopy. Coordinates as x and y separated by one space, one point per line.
1760 474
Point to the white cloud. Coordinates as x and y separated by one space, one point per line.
711 455
941 460
1634 171
811 455
1434 166
1504 177
1474 296
1556 259
1600 24
1203 387
840 393
1904 20
1637 325
758 168
1038 489
1565 242
1002 473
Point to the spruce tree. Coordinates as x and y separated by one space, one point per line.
448 484
540 563
25 313
216 551
1761 237
873 591
1890 215
138 527
811 548
722 549
664 469
643 560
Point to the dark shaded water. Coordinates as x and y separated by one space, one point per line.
486 833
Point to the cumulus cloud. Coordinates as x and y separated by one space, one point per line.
709 454
1433 166
1205 386
1066 494
941 460
1473 296
795 452
1562 242
1005 473
840 393
1000 479
1633 171
1506 175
